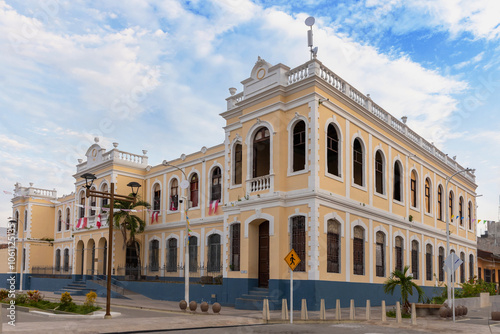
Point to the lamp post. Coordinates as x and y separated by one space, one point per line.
186 253
15 221
89 180
447 214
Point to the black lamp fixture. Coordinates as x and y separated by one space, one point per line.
89 179
135 187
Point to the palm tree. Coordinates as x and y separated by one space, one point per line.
405 281
126 221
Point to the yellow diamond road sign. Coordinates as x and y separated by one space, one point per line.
292 259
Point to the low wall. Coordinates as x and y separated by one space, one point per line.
485 300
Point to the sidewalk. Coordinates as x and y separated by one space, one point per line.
165 315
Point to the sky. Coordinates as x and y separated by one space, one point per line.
154 74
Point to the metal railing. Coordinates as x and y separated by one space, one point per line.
59 272
171 274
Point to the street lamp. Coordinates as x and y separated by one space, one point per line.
186 253
447 214
15 221
89 180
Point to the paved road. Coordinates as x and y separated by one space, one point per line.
353 328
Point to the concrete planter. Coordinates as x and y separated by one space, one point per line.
424 310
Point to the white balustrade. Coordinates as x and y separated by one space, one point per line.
397 125
260 183
297 74
379 112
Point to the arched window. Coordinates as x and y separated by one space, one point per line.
414 259
333 246
379 173
66 260
299 146
235 247
17 222
428 262
380 254
58 260
462 268
440 204
171 255
471 266
216 185
450 213
193 253
25 220
461 211
333 150
359 250
93 204
399 253
238 164
413 189
427 195
398 184
299 240
156 197
174 195
261 153
154 250
82 205
214 253
68 219
357 162
104 201
469 215
193 190
59 223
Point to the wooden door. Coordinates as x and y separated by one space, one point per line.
264 254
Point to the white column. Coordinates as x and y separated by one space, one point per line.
370 159
390 181
164 205
391 250
202 249
203 194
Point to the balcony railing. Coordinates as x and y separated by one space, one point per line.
260 183
60 272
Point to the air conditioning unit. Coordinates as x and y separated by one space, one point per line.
190 204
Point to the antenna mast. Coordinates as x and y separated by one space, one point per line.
314 50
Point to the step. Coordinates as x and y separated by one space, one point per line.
259 292
255 304
256 297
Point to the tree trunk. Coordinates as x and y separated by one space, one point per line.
138 256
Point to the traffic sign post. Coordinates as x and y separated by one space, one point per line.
292 259
451 264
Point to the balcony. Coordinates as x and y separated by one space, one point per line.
260 183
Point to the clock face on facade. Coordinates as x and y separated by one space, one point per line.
261 73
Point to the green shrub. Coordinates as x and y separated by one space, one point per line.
34 296
90 299
21 298
66 299
473 287
3 294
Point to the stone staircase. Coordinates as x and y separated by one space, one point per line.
76 288
254 300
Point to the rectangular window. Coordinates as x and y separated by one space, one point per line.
380 265
157 200
413 187
358 167
237 163
299 240
333 156
479 273
414 263
235 247
428 266
487 275
193 254
379 176
440 205
153 256
333 250
399 258
441 267
358 246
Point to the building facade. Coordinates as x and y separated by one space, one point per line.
309 163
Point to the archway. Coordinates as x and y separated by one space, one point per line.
132 261
264 254
102 255
79 257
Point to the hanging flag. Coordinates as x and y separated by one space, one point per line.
98 223
154 216
216 205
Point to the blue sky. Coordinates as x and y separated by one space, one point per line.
155 74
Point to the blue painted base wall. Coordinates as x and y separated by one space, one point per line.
232 288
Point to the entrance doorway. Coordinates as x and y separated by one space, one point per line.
264 254
132 270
